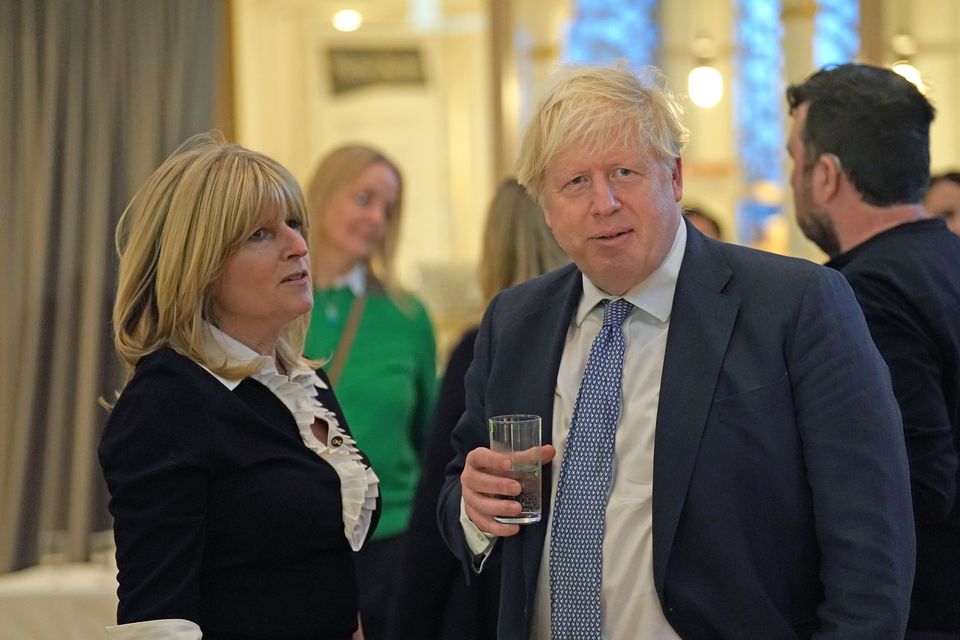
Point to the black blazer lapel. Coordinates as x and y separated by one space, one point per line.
701 323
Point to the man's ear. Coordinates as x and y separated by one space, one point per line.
547 218
827 178
677 179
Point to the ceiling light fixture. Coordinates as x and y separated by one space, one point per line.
347 20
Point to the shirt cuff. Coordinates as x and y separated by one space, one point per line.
168 629
479 542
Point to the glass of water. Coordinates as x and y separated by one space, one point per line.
518 436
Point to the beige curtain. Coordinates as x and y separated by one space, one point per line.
93 95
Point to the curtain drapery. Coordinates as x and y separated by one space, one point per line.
93 95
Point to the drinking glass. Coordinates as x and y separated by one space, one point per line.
518 436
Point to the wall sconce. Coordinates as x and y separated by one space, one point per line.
911 73
904 46
705 82
347 20
705 85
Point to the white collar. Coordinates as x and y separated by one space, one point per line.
654 295
355 280
359 485
217 345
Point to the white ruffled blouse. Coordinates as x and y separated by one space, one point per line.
359 485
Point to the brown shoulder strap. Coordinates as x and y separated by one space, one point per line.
346 339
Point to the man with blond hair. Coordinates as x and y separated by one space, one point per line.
729 461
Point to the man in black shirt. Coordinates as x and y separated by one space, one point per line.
861 165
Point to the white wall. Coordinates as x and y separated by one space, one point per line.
439 133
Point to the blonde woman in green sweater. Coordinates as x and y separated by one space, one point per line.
380 344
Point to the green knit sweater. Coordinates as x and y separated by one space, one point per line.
386 388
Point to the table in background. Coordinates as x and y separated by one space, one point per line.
58 602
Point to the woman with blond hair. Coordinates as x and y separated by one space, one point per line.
380 344
436 603
237 491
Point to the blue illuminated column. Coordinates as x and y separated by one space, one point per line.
605 31
836 34
759 113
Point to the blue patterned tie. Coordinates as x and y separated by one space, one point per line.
586 473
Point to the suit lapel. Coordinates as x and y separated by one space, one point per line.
701 323
543 350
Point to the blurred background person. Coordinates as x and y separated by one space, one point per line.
704 222
381 342
435 602
943 198
237 493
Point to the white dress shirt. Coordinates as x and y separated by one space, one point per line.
629 604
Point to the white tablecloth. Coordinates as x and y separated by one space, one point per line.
66 602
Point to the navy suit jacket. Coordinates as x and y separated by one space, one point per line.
781 498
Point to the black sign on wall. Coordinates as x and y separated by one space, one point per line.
356 68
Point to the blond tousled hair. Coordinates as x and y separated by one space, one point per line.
336 170
174 237
517 244
592 107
